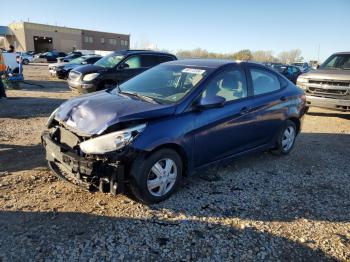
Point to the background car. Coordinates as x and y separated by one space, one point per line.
48 57
115 69
69 57
170 121
329 85
289 71
62 70
26 57
303 66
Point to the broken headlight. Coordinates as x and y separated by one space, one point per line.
111 142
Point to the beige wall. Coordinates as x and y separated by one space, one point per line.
108 45
64 38
18 40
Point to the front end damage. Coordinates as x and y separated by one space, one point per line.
106 172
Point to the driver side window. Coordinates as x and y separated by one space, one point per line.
133 62
230 84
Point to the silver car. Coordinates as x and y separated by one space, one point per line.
329 85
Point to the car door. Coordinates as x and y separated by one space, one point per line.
269 104
221 132
129 68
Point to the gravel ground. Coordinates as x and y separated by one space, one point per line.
262 207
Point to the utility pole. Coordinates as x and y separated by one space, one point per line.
318 53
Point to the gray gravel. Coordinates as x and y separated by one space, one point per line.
260 208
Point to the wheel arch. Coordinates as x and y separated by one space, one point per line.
179 150
296 122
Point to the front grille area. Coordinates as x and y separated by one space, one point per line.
331 83
331 88
339 92
74 75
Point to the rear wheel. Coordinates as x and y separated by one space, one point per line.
286 138
155 178
25 61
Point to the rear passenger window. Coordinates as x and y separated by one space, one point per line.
149 60
133 62
264 81
230 84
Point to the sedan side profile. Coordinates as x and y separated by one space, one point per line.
171 120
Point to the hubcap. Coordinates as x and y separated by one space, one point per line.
162 177
288 138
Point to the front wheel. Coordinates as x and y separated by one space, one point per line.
154 179
286 138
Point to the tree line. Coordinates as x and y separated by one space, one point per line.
285 57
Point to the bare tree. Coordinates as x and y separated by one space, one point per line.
288 57
263 56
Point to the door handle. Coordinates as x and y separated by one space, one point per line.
283 98
244 110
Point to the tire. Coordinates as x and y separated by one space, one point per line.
143 178
284 143
25 61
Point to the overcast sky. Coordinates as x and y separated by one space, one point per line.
218 26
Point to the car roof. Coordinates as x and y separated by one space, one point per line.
90 56
342 53
210 63
139 51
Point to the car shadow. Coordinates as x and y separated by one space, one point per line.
17 107
27 157
78 236
306 184
342 115
58 86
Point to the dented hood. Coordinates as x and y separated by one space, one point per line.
92 114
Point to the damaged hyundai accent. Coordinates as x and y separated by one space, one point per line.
172 120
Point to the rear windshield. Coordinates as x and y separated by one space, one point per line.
341 61
110 61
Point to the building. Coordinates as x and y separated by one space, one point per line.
26 36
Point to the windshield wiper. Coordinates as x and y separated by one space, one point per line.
141 97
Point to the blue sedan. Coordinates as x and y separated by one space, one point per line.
171 120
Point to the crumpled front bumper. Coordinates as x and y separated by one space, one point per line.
92 174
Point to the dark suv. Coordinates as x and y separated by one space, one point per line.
115 69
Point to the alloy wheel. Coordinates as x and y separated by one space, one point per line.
288 138
162 177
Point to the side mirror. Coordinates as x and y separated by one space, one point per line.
123 66
210 102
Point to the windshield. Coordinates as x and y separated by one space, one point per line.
337 62
164 83
110 61
77 60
